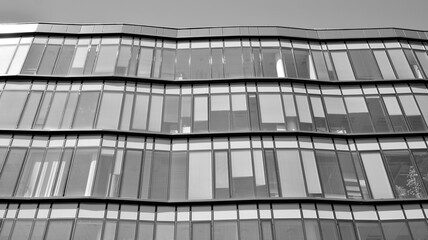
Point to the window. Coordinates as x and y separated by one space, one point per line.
82 172
11 105
200 175
291 174
233 66
331 178
50 56
376 175
384 64
220 113
400 63
200 61
304 64
242 174
109 112
131 173
85 112
272 117
11 170
359 117
336 115
343 66
364 65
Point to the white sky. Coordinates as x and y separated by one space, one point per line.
198 13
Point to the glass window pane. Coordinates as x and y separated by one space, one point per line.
216 64
18 60
225 230
359 117
220 113
320 65
48 61
131 173
304 64
145 63
82 172
43 110
109 113
249 230
79 60
290 174
336 115
421 159
289 229
272 63
21 230
221 175
419 229
423 105
141 108
396 230
288 59
123 61
106 59
369 231
305 117
201 231
200 175
85 112
319 115
48 173
182 67
330 175
349 175
347 230
240 120
164 231
64 60
233 67
57 108
395 114
271 173
88 230
59 230
186 114
63 172
384 64
69 110
311 173
364 65
422 57
11 105
413 63
413 115
242 174
312 230
127 111
11 169
126 230
200 64
6 54
400 64
168 60
200 113
376 175
290 112
33 58
104 172
30 110
145 231
170 114
378 114
343 66
178 181
38 230
160 174
90 60
271 113
248 62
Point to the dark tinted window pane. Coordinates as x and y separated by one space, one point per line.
43 110
104 172
248 62
85 112
421 159
419 229
160 172
178 181
336 115
378 114
56 110
249 230
254 111
329 171
141 108
347 230
289 230
186 114
364 65
319 114
33 58
413 115
127 111
90 60
221 174
395 114
220 113
320 66
359 117
272 63
170 114
21 230
242 174
288 59
349 175
201 231
304 64
48 61
131 173
423 105
233 66
200 64
329 230
30 110
63 173
84 163
126 230
271 172
369 231
59 230
168 60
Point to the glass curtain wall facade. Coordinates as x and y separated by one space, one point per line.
107 132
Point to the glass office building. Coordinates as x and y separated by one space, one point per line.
236 133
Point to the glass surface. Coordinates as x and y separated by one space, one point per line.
38 230
331 178
216 63
33 58
423 105
109 112
319 114
233 66
168 61
185 114
54 117
329 230
10 171
125 122
400 63
239 114
170 114
376 175
364 65
164 231
311 173
78 64
90 60
290 174
155 120
312 230
86 108
305 117
378 114
145 231
272 117
104 172
11 105
182 67
200 114
160 172
271 173
336 115
63 172
349 175
220 113
347 230
287 56
21 230
358 113
416 122
126 230
254 111
6 54
221 174
384 64
178 181
272 63
131 173
225 230
123 60
421 160
242 174
82 172
200 64
289 230
30 110
200 175
418 229
69 110
141 108
423 60
320 65
59 230
342 65
290 113
43 110
145 63
396 230
369 231
395 114
413 63
304 64
48 61
201 231
249 230
88 230
248 62
106 59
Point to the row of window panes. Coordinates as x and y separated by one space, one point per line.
214 107
214 59
221 168
255 222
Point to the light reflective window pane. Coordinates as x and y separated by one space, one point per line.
200 64
131 173
145 63
400 63
319 115
242 174
56 110
82 172
405 177
220 113
291 174
59 230
423 60
48 61
364 65
421 160
267 233
155 113
182 67
43 110
224 230
106 59
157 61
290 112
272 117
221 175
396 230
336 115
311 173
160 174
200 113
64 60
63 172
170 114
11 105
359 117
342 65
178 181
413 115
349 175
200 175
90 60
141 108
6 54
18 60
239 115
48 173
123 61
11 169
88 230
320 65
423 105
305 117
384 64
109 113
257 62
126 111
145 180
69 110
186 114
30 110
259 173
233 66
330 175
254 111
417 71
376 175
38 230
289 230
109 230
85 112
6 229
79 60
395 114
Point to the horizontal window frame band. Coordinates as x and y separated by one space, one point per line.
204 81
373 202
41 132
276 31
